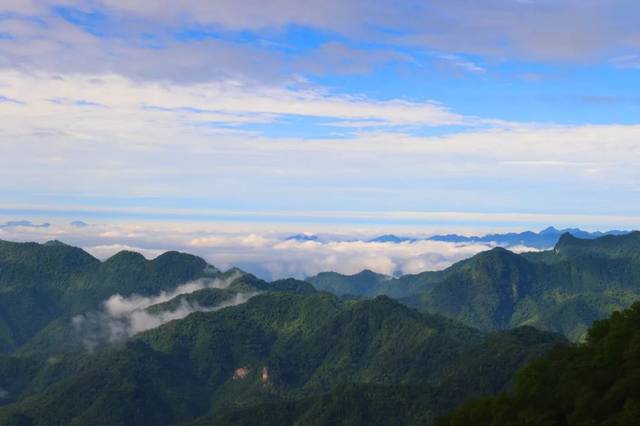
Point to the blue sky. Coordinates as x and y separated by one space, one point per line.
335 112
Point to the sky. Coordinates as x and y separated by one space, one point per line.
334 116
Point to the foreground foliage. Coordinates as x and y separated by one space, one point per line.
597 382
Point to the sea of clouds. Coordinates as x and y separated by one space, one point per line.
269 254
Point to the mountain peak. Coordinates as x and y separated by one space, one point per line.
614 245
302 237
125 256
366 272
56 243
549 230
391 238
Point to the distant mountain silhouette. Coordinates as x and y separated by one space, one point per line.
544 239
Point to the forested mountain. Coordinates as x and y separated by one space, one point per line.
563 290
366 283
42 282
597 382
278 347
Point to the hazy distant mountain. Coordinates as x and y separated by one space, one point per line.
24 223
302 237
78 224
544 239
390 238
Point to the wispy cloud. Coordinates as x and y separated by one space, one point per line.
213 102
461 64
123 317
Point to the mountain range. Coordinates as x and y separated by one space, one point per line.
544 239
175 340
563 290
285 343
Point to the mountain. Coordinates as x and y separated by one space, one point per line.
370 284
24 223
485 371
78 224
562 290
126 317
592 383
544 239
626 246
278 348
302 237
390 238
174 340
366 283
42 282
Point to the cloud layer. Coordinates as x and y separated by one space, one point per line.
123 317
216 145
266 253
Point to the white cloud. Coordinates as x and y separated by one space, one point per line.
107 250
265 252
123 317
191 145
120 306
462 64
222 102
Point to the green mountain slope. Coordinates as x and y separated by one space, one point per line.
42 282
370 284
562 290
276 348
94 329
597 382
483 370
366 283
34 283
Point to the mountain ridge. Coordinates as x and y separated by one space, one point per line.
563 289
